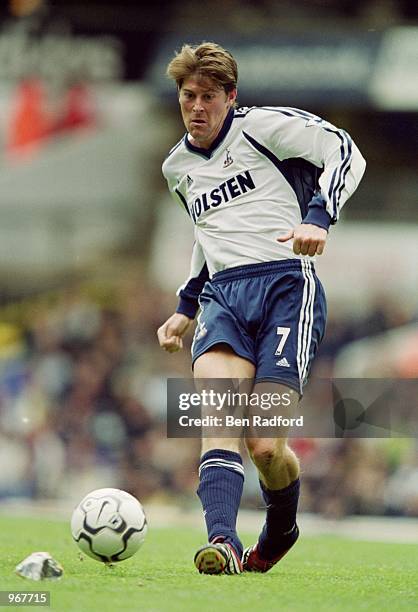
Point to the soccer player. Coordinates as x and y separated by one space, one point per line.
262 185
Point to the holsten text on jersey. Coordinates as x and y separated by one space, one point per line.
225 192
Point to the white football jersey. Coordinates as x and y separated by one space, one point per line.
268 169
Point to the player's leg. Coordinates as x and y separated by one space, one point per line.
221 471
278 469
292 327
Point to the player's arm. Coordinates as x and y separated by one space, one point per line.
327 147
294 133
343 166
170 334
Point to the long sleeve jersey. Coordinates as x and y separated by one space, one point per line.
268 170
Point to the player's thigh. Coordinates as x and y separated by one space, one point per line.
219 370
221 361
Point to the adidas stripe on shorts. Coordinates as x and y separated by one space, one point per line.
272 314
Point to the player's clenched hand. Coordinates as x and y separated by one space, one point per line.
308 239
171 332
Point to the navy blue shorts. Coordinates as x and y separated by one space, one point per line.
272 314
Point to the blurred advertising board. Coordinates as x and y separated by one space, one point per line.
359 69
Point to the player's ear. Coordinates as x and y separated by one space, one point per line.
232 96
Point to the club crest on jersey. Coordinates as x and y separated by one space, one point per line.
228 159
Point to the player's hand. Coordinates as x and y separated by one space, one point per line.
171 332
308 239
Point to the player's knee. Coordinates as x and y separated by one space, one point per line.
265 452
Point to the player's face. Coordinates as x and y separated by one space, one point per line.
204 106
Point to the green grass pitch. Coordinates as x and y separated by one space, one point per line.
321 573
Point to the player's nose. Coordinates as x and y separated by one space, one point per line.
197 106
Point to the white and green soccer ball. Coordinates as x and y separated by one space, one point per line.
109 525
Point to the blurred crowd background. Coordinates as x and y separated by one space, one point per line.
92 249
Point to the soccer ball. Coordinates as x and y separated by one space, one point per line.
109 525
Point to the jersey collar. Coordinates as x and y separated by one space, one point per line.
222 133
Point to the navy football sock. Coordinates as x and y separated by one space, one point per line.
221 482
280 530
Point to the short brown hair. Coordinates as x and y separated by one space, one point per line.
207 60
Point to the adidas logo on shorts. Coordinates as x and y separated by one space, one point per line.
283 362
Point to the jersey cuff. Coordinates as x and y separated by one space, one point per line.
188 307
317 215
